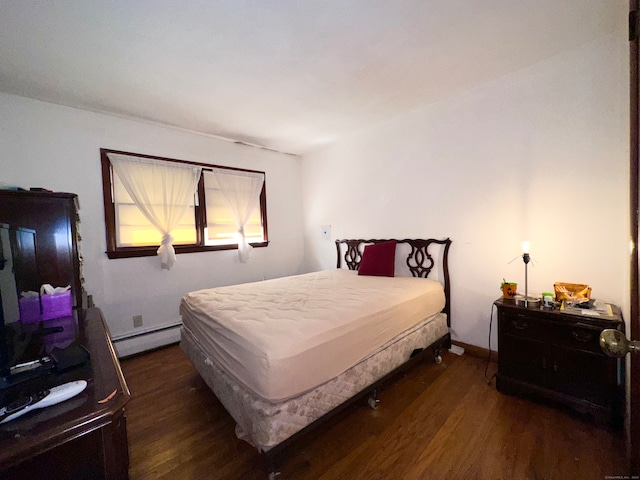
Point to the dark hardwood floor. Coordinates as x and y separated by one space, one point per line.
434 422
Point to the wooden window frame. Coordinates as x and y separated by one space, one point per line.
113 251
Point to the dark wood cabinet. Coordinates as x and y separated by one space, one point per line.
54 218
557 356
84 437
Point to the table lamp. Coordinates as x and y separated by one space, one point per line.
527 301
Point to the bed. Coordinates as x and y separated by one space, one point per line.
283 355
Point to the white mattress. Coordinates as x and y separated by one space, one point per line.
282 337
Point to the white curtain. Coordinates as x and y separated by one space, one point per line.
163 191
241 192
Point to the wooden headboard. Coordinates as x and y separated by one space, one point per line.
419 260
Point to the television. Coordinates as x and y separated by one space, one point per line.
22 355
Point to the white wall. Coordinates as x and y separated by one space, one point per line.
541 154
46 145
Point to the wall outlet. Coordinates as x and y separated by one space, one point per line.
137 320
326 232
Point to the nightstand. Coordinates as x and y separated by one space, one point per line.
557 356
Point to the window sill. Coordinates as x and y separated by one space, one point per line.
131 252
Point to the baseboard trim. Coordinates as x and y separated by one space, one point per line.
151 350
137 342
476 351
150 331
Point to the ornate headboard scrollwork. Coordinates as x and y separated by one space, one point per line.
419 261
352 255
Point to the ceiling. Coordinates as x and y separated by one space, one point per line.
290 75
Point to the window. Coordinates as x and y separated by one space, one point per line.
221 227
208 224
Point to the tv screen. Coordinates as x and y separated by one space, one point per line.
19 296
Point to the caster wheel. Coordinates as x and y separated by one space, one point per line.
373 402
438 359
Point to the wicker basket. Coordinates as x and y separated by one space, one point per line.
571 291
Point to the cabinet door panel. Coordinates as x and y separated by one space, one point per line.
523 359
584 375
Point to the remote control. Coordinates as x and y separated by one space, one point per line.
42 399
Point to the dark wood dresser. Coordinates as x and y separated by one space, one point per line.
557 356
80 438
84 437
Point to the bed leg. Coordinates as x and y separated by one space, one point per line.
437 357
272 466
373 400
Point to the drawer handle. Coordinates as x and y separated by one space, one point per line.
519 324
582 336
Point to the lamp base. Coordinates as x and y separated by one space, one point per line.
527 302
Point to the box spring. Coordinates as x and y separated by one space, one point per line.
265 424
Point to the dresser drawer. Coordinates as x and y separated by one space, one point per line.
580 336
522 325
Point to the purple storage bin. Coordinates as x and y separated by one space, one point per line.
56 305
29 309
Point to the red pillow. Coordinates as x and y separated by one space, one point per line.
379 259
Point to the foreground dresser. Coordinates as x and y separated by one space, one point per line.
81 438
556 356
